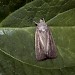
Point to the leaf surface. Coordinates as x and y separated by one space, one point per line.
17 39
17 52
37 9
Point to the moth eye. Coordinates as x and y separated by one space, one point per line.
36 24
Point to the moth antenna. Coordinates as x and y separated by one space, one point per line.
43 20
35 22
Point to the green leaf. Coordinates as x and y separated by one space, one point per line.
63 19
35 10
17 54
70 4
17 45
8 6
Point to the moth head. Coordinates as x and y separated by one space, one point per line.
41 23
42 20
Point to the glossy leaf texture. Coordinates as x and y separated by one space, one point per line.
17 32
17 54
63 19
9 6
37 9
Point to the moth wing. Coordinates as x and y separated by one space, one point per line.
38 47
51 45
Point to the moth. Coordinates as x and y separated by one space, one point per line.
45 47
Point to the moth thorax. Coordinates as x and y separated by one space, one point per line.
42 28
